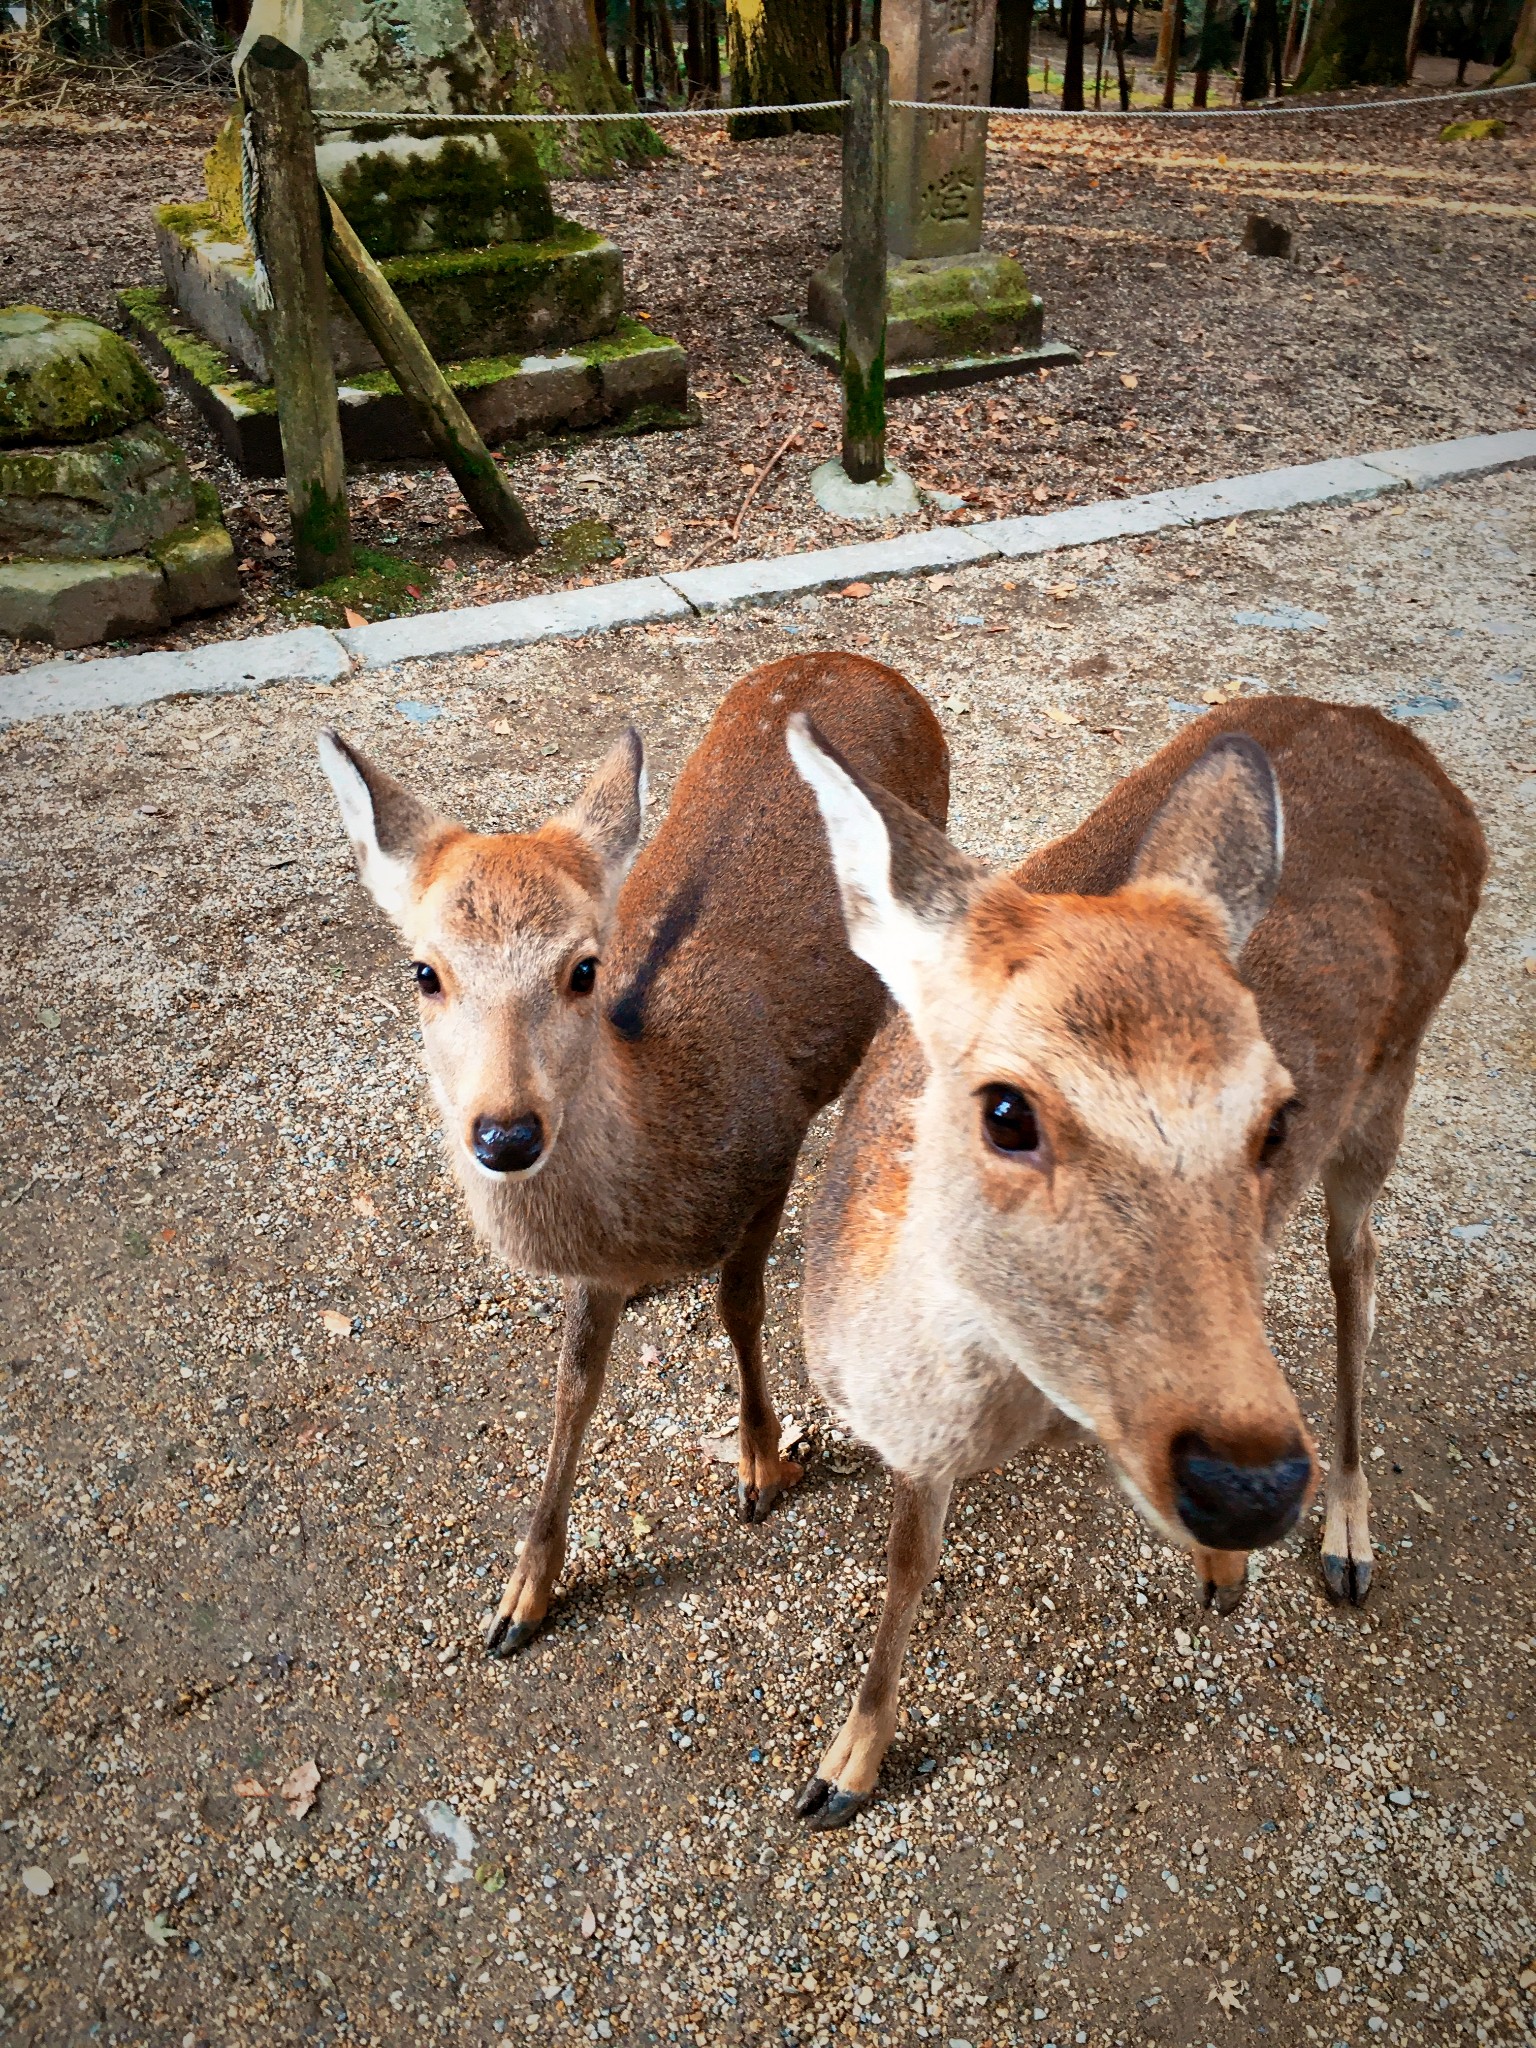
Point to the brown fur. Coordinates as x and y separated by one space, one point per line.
1118 1273
728 1011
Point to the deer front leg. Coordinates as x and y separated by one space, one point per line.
591 1315
761 1473
1223 1576
1347 1555
845 1778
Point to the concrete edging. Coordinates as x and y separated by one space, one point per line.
313 654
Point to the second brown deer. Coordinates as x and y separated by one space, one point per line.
1116 1071
627 1059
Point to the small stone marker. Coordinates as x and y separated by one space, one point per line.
1265 236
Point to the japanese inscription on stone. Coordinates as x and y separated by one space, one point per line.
940 50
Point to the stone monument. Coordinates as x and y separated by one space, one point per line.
956 313
103 531
524 310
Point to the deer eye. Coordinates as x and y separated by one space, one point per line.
427 983
584 977
1008 1120
1275 1135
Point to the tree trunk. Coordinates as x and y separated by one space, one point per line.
664 51
1357 42
1261 48
777 51
1520 66
1010 53
1072 67
1166 33
1175 9
550 54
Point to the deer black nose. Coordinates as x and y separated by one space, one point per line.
1237 1507
508 1145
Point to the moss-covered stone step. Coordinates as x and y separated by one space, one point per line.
942 373
504 298
81 603
942 306
93 498
630 381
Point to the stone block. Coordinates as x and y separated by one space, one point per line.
1078 526
406 188
564 614
910 554
625 382
942 306
67 379
93 498
1339 482
78 604
51 688
198 560
1445 462
503 299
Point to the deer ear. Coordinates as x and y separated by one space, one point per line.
1221 834
388 827
611 809
901 882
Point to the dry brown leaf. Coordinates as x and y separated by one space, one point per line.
502 726
352 618
299 1788
362 1205
944 583
249 1788
268 540
1129 379
337 1324
1057 716
855 590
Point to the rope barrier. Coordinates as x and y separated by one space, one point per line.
1266 108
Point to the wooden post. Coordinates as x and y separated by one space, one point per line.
448 426
866 130
274 83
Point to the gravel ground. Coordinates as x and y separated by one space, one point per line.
1408 314
270 1421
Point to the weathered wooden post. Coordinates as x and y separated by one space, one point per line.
274 84
866 146
406 356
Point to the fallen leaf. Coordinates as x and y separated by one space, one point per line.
352 618
249 1788
722 1449
1040 493
649 1355
450 566
268 540
1062 590
1226 1995
363 1205
1129 379
663 540
160 1930
337 1324
1230 528
941 582
1421 1503
1058 716
855 590
411 590
299 1788
502 726
481 661
589 1923
639 1526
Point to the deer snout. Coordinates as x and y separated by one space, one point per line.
1230 1506
507 1144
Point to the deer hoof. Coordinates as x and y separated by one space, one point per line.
1225 1599
824 1805
507 1636
1346 1578
755 1503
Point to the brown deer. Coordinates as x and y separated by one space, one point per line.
1116 1071
627 1059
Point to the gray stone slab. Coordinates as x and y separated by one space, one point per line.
308 654
1342 481
1444 462
1078 526
910 554
564 614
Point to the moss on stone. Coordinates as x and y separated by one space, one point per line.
66 379
149 309
578 546
464 192
221 177
629 338
589 149
1472 131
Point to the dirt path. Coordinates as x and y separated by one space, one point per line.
1408 315
233 1541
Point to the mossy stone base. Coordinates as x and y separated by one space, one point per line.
406 188
81 603
508 297
939 306
67 379
629 381
94 498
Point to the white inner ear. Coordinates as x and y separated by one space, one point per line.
386 877
883 932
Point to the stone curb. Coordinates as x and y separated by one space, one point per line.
315 655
